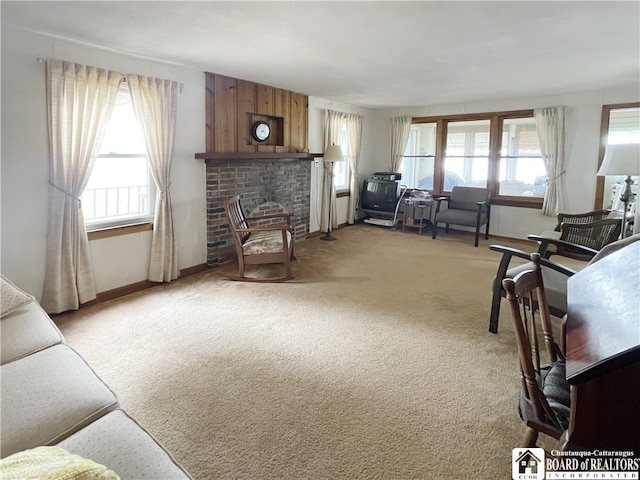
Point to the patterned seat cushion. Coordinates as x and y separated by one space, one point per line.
119 443
265 242
25 331
557 390
47 396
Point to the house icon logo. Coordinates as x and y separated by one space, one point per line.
527 464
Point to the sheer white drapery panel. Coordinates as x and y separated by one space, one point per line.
332 129
551 133
155 103
354 136
80 100
400 129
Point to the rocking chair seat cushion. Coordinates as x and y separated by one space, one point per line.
265 242
557 390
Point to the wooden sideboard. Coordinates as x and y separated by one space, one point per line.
603 353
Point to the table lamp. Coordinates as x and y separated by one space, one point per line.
623 159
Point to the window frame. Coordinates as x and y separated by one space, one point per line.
604 135
496 120
116 223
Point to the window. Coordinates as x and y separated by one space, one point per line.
341 169
495 150
118 191
522 171
620 125
467 154
419 156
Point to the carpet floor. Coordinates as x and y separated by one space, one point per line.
374 363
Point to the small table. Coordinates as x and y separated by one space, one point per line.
417 214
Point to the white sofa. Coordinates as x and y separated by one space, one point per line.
51 397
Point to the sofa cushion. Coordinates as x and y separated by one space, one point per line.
11 297
25 331
49 463
47 396
121 444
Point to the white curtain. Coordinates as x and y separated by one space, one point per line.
332 129
80 100
155 103
354 136
550 127
400 128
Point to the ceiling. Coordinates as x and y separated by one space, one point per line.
369 53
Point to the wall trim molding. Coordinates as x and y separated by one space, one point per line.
139 286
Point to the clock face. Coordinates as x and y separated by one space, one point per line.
261 131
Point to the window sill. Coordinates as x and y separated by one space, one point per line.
343 193
119 230
521 203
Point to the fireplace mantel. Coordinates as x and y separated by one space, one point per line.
218 156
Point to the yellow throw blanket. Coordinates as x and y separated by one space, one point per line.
52 463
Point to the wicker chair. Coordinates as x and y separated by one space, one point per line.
594 235
587 217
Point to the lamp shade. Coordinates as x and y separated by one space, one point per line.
333 153
621 159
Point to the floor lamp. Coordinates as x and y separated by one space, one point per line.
332 154
622 159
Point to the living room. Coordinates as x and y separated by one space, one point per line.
120 261
123 260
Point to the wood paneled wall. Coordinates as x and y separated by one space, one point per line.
232 107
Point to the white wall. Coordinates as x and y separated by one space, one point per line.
117 261
123 260
317 107
582 145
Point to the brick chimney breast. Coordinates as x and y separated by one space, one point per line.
264 186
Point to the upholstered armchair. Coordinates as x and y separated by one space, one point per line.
468 206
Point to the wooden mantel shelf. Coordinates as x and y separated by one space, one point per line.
256 156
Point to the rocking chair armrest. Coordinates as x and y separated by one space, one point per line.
267 228
543 249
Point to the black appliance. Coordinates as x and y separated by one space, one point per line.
379 194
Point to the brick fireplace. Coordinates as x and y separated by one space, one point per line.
265 185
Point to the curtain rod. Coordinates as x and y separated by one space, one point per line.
124 76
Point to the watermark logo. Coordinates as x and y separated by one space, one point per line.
527 463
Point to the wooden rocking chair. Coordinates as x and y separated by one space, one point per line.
260 244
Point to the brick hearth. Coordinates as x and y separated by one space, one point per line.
264 186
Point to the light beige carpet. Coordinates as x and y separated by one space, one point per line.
374 363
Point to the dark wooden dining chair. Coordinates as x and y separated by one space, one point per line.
257 245
545 398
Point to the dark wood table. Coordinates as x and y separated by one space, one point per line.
603 353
